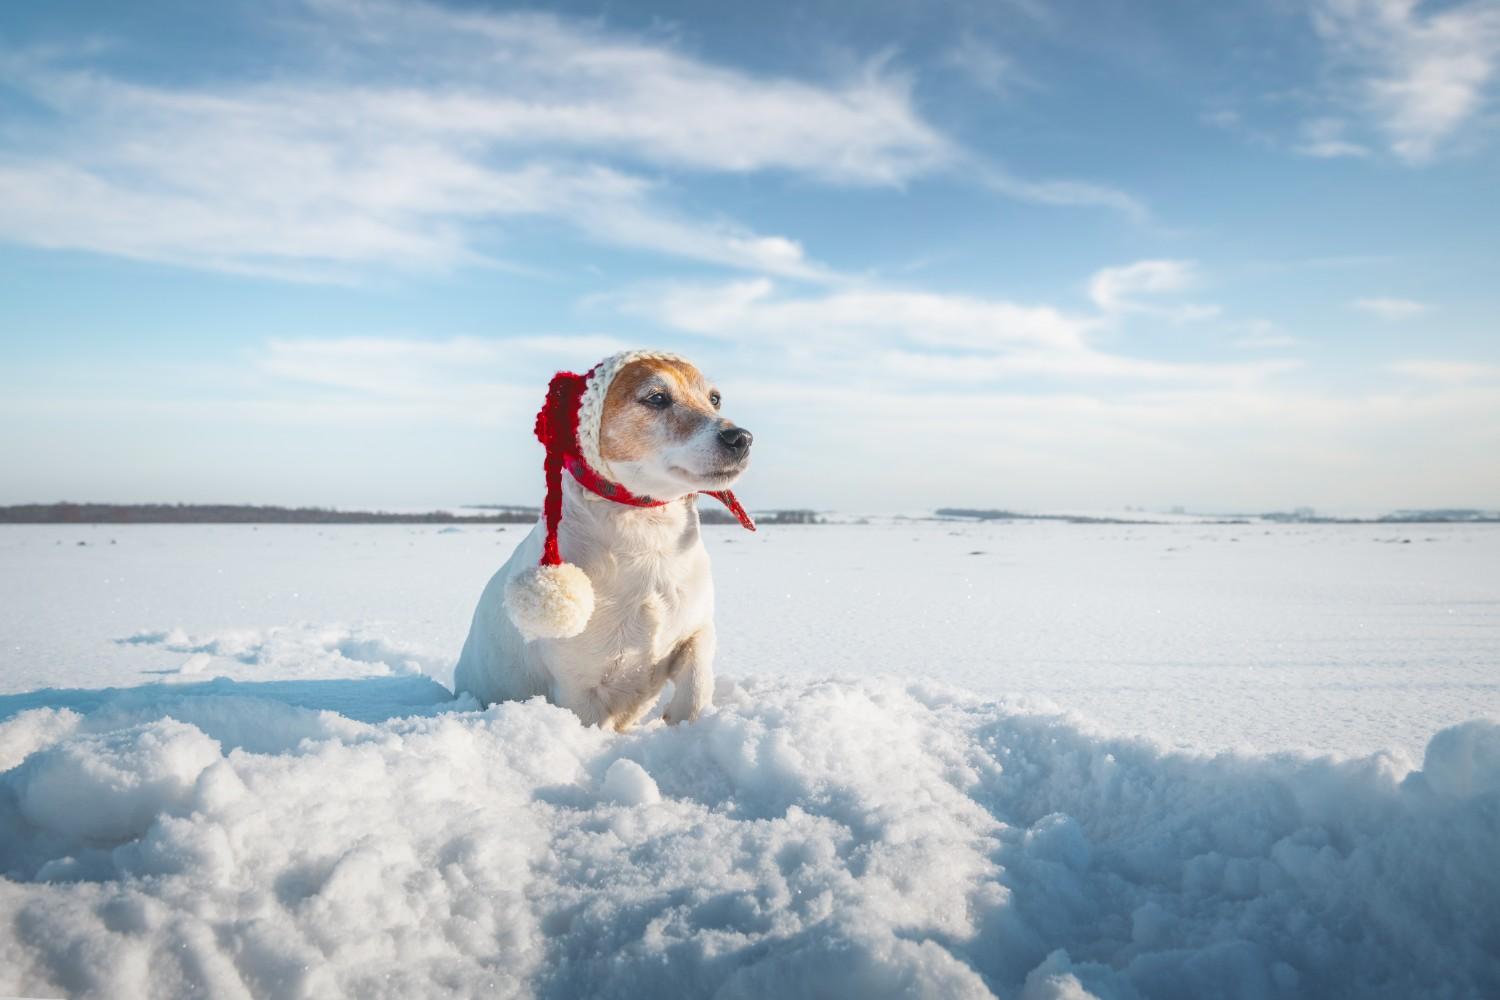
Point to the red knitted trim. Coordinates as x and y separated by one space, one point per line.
727 498
557 430
598 485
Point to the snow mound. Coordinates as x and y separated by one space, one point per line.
805 839
112 787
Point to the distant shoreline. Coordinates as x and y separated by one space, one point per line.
165 513
189 513
1453 516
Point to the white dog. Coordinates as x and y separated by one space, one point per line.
629 445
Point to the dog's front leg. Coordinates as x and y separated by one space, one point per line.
692 676
580 698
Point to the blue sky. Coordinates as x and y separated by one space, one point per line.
1083 255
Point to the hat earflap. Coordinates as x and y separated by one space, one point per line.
553 599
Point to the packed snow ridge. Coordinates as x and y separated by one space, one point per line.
863 838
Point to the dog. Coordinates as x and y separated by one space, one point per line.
630 445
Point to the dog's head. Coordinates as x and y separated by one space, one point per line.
661 433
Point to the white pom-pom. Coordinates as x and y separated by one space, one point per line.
550 602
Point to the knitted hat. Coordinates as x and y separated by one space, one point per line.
554 599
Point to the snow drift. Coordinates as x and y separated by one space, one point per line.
861 837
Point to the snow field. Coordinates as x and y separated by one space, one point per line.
862 838
1346 639
1028 760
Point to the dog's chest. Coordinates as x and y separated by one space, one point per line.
646 606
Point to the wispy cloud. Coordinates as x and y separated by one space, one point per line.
1260 334
986 66
534 79
901 335
1062 192
479 381
1391 310
347 161
759 308
386 364
1324 138
1418 71
1445 371
1114 288
423 137
1128 289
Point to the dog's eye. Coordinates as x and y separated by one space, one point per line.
658 400
713 398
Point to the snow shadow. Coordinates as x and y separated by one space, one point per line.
329 649
263 717
1144 873
85 770
363 699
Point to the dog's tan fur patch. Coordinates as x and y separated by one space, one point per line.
629 430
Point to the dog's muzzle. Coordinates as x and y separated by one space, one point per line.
736 441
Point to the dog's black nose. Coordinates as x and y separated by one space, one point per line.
736 439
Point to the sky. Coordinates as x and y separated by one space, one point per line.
1073 255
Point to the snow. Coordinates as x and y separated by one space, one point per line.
229 767
1346 639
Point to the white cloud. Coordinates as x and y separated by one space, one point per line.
1224 118
900 336
1120 289
755 308
1090 364
1266 342
534 79
1391 310
989 68
477 381
1071 193
1418 70
419 136
1112 287
1324 138
283 207
1260 334
345 161
1453 372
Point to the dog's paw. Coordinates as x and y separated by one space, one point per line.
673 716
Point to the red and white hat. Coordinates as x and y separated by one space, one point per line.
554 599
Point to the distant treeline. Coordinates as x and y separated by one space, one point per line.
1007 515
200 513
713 515
195 513
1455 514
1452 516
